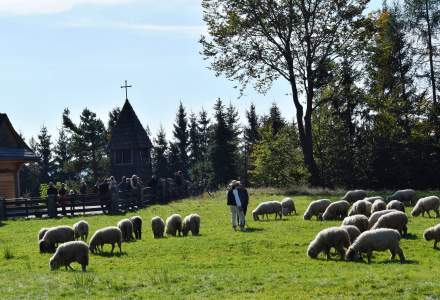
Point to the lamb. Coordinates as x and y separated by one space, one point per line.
336 211
158 227
316 208
353 232
333 237
174 225
267 208
288 206
425 205
191 223
375 216
432 233
376 240
360 207
397 205
126 227
378 205
67 253
42 232
81 230
55 236
372 199
405 196
137 226
109 235
360 221
395 220
353 196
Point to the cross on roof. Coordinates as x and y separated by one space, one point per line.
126 86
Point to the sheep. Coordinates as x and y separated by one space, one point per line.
109 235
191 223
353 232
378 205
137 226
394 220
336 211
425 205
316 208
158 227
333 237
126 227
360 207
288 206
42 232
432 233
353 196
267 208
405 196
372 199
360 221
397 205
55 236
376 240
174 225
375 216
67 253
81 230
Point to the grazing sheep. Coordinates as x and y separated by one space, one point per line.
425 205
376 240
55 236
81 230
395 220
405 196
316 208
267 208
353 232
378 205
336 211
353 196
137 226
67 253
41 233
372 199
126 227
397 205
109 235
433 233
288 206
158 227
360 207
191 223
360 221
333 237
375 216
174 225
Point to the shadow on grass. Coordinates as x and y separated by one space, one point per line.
397 262
410 236
115 254
252 229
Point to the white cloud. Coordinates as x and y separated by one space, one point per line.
31 7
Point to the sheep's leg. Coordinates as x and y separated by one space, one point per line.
369 254
435 244
393 253
113 248
400 253
405 230
429 215
84 268
341 252
70 267
437 213
120 248
327 253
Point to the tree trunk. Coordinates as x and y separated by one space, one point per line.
431 60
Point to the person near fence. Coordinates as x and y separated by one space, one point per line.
52 190
63 199
244 197
135 186
73 194
235 205
104 195
83 188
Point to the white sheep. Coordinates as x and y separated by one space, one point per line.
353 232
333 237
360 207
316 208
267 208
336 211
81 230
375 216
395 220
126 227
67 253
109 235
405 196
137 226
55 236
288 206
373 198
397 205
425 205
353 196
158 227
378 205
174 225
433 233
191 223
376 240
360 221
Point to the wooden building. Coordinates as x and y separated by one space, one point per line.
13 154
130 147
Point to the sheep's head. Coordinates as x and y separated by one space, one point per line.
53 263
416 211
93 246
428 234
307 215
44 247
352 255
313 251
255 215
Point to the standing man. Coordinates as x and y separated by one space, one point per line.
236 206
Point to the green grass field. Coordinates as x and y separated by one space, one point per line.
267 262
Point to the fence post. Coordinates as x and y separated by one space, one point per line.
2 209
51 206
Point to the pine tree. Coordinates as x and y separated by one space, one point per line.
204 122
274 119
44 151
173 159
251 134
181 136
195 154
113 117
62 156
159 159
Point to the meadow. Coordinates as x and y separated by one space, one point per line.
267 262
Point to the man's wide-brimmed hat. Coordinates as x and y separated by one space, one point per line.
235 183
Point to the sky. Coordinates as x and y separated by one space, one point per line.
77 53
